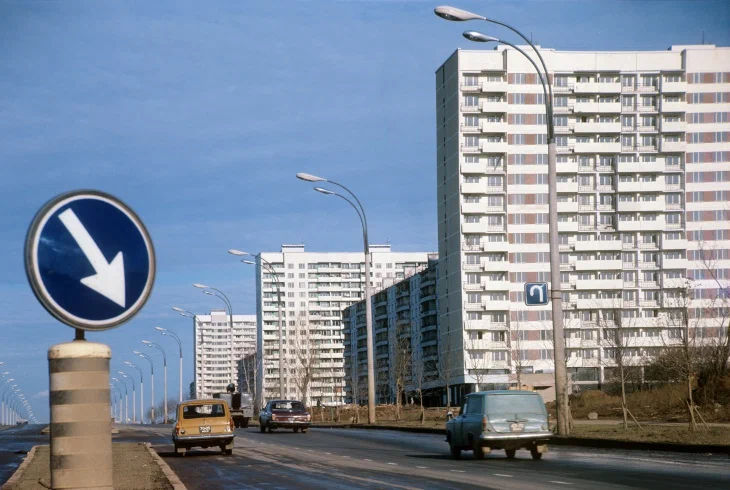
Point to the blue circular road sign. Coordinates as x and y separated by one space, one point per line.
89 260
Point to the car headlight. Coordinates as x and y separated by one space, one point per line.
544 427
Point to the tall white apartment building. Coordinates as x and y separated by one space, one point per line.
315 288
643 183
212 350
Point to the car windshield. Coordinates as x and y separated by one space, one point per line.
200 411
509 404
291 406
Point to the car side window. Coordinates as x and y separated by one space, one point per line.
475 405
464 407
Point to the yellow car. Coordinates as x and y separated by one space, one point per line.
203 423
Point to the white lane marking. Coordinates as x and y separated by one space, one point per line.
500 474
394 464
560 482
366 459
329 453
345 456
458 471
422 467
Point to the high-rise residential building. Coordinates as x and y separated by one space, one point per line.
643 183
315 288
214 368
405 330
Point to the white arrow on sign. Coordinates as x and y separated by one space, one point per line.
109 278
539 291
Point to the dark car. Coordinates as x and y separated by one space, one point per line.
287 414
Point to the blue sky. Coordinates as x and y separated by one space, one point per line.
199 114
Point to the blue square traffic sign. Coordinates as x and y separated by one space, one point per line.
536 293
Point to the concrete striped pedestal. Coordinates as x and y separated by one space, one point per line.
81 441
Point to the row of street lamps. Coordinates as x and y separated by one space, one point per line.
13 404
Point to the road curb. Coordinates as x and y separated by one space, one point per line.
18 474
563 441
172 478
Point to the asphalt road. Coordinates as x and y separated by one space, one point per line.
15 442
351 458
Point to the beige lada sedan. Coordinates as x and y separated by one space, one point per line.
203 423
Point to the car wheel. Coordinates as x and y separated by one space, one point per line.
478 450
296 429
510 453
535 454
244 424
455 451
304 430
262 427
229 452
271 429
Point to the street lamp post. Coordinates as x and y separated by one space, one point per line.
134 395
270 269
126 400
222 296
164 331
141 390
119 400
454 14
152 383
192 315
164 365
2 398
368 314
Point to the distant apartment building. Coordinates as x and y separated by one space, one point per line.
643 183
315 288
212 349
405 342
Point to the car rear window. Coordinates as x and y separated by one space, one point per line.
508 404
293 406
207 410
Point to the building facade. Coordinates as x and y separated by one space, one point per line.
643 184
213 340
315 288
405 341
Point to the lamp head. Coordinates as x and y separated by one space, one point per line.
233 251
136 352
160 329
310 177
323 191
179 310
454 14
250 262
200 286
209 293
146 342
478 37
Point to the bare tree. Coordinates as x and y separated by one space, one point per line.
305 357
401 368
419 377
515 349
619 348
477 360
446 367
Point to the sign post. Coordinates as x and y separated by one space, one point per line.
91 264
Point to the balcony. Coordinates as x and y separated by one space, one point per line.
647 108
563 129
680 244
570 187
469 108
674 87
473 287
674 126
494 86
647 148
472 167
567 167
470 87
494 127
597 245
471 248
489 106
494 169
675 263
496 305
469 149
639 167
597 88
473 227
472 188
568 207
496 286
567 226
679 106
597 107
494 146
636 206
488 246
597 127
597 265
562 109
493 266
674 283
648 266
656 186
599 284
673 146
598 147
472 208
